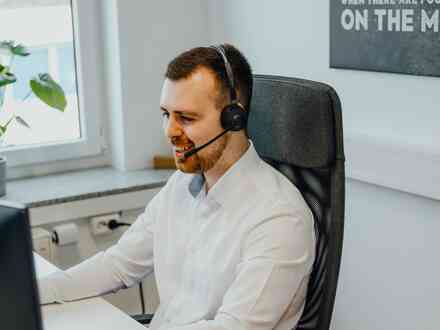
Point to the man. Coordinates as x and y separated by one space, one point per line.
230 239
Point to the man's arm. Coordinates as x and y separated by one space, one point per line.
120 266
271 278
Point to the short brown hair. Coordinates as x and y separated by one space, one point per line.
189 61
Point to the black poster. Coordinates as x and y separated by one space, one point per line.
401 36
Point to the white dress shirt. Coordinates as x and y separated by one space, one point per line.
237 257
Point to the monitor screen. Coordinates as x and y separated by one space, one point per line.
19 302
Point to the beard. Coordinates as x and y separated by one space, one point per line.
205 159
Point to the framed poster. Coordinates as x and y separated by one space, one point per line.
401 36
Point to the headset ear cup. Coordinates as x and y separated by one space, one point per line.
234 117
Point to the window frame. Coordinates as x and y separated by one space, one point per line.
90 98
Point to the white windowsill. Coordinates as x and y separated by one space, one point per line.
60 197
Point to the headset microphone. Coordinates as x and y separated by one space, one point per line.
191 152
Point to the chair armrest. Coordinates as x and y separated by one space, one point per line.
143 318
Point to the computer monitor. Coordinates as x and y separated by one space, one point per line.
19 300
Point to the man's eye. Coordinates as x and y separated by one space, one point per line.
165 114
186 119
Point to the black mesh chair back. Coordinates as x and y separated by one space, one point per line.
296 126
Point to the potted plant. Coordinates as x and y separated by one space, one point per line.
42 86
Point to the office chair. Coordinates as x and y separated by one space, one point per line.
296 126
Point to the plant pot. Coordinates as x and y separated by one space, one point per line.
2 176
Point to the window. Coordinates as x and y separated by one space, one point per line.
61 36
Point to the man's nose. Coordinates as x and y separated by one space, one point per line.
172 127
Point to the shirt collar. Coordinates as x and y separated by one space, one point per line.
232 182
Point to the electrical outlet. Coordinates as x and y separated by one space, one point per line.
99 224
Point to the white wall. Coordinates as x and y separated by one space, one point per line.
390 270
141 38
394 117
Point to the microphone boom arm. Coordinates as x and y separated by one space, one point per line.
193 151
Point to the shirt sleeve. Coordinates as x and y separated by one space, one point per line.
271 278
120 266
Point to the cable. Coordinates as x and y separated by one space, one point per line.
113 224
141 293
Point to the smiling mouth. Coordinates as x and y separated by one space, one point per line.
180 151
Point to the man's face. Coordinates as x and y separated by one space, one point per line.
191 118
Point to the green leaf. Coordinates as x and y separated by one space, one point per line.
5 127
14 49
20 50
21 121
48 91
6 77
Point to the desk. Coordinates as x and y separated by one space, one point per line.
87 314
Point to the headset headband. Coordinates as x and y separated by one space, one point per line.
221 50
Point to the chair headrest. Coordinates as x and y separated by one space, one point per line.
292 120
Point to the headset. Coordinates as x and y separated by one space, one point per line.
233 116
